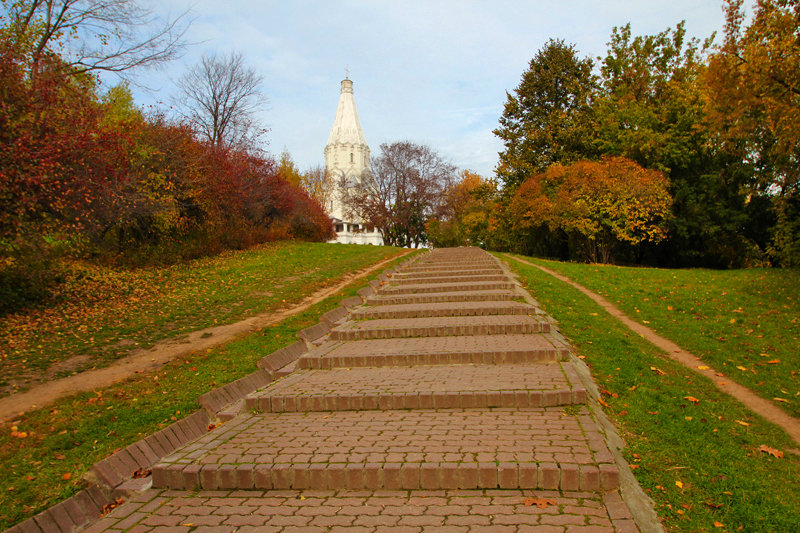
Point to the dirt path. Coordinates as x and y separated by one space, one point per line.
164 351
751 400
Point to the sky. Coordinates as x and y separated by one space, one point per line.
433 72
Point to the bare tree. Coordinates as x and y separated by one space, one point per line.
90 35
401 192
220 98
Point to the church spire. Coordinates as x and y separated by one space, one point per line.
346 126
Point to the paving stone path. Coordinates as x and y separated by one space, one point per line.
444 403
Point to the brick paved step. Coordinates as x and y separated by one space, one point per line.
370 511
445 273
526 448
422 288
422 387
449 266
440 297
444 309
449 278
397 328
475 349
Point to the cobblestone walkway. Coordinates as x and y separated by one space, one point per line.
444 403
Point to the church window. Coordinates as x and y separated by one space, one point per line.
339 228
351 157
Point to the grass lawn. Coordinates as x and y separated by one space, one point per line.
102 314
67 438
745 323
693 449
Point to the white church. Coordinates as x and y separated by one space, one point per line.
347 161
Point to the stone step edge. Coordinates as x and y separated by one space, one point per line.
376 313
443 273
426 288
354 331
450 278
279 403
458 358
443 297
390 476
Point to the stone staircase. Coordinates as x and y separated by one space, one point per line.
444 379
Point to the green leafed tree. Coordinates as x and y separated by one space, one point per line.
651 109
547 119
753 83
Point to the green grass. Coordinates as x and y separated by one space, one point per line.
74 433
105 313
744 323
670 439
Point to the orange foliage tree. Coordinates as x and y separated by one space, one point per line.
469 214
597 205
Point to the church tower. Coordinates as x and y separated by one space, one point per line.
347 160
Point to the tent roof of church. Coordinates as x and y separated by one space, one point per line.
346 126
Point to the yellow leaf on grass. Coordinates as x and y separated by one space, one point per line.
658 371
781 400
679 484
719 524
742 423
692 399
702 367
742 368
66 477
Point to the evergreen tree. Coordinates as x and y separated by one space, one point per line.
548 118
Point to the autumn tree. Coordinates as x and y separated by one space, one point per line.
401 192
221 98
548 117
598 206
468 215
318 183
753 104
287 169
92 35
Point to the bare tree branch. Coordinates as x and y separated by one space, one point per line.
220 97
92 35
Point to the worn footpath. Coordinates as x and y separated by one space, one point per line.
446 402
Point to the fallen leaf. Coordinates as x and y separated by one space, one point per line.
692 399
60 456
776 399
713 505
541 503
679 484
107 508
602 402
719 524
66 476
658 371
142 473
742 368
773 362
771 451
741 423
702 367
